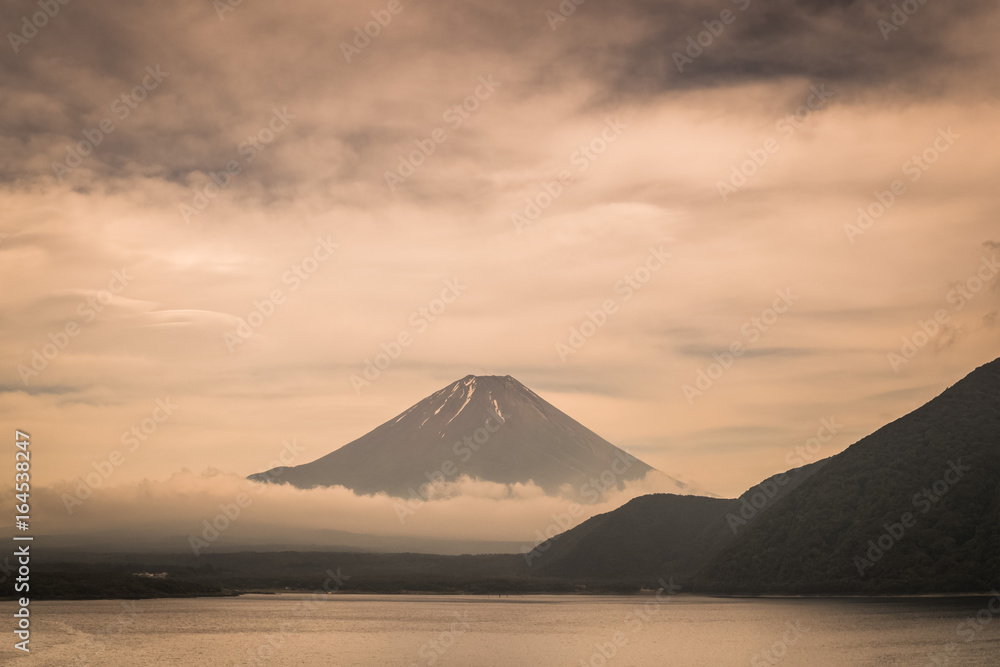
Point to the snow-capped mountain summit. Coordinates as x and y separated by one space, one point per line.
491 428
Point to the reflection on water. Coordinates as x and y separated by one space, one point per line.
528 630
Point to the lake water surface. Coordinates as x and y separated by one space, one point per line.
524 630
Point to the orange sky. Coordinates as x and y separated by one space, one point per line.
591 123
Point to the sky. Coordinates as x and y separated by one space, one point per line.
709 231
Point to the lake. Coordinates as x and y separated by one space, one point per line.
302 629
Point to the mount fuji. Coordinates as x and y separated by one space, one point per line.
490 428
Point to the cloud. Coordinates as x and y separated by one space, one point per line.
461 511
224 79
836 42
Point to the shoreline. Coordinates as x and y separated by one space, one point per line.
275 594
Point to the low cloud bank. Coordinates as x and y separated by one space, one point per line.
211 509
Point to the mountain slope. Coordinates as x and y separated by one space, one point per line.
914 507
811 530
660 535
491 428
